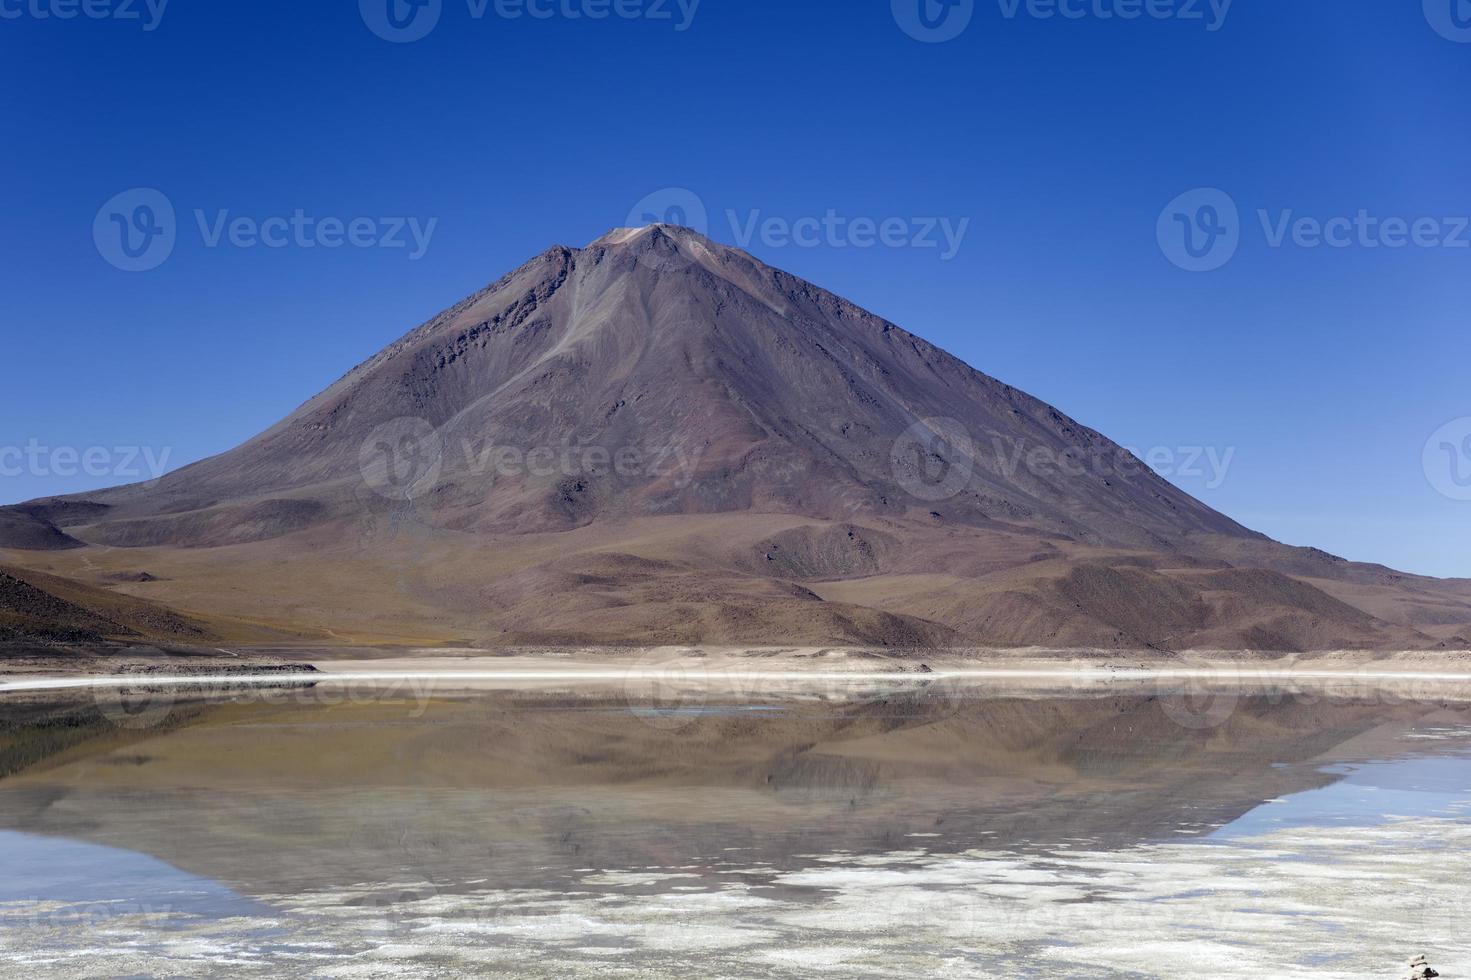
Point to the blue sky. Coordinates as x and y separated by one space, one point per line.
1327 380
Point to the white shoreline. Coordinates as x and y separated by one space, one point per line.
715 676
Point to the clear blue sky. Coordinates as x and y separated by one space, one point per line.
1061 139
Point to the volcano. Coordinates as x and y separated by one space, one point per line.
660 439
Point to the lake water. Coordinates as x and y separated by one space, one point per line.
921 829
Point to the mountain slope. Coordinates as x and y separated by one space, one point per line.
805 466
767 393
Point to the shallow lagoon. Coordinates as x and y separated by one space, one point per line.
918 828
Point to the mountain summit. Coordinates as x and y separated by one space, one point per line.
658 438
736 387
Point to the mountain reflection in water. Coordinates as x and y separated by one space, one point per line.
943 829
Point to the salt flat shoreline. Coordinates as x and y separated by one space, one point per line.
717 668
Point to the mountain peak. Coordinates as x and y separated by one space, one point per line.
656 339
629 236
619 236
670 433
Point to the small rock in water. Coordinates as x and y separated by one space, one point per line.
1420 969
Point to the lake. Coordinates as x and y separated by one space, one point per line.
906 828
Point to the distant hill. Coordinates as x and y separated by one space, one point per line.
36 606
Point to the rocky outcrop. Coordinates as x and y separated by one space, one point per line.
1420 969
